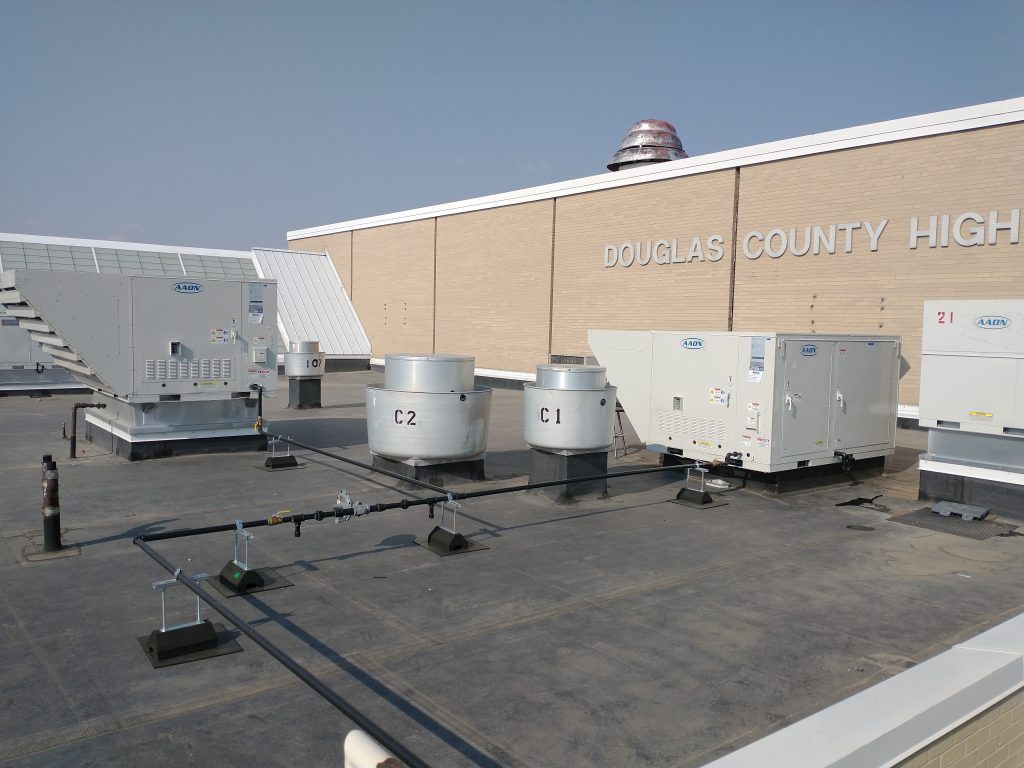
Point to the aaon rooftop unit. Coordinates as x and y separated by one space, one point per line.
764 401
972 401
172 359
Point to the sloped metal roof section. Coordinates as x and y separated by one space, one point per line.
70 254
312 304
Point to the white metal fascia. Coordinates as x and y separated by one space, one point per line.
115 244
919 126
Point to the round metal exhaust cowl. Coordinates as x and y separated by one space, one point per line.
571 377
667 139
304 360
648 141
428 411
415 372
569 410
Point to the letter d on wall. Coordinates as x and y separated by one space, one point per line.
611 255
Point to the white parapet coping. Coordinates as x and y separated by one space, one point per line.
900 716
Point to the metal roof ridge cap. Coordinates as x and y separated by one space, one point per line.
916 126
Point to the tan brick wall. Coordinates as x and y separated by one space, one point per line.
494 268
339 246
882 292
494 285
588 295
993 739
393 277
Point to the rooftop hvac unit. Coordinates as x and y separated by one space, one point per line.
972 401
24 365
765 401
172 359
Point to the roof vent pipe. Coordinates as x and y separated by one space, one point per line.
648 141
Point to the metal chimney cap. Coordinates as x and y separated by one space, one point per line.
648 141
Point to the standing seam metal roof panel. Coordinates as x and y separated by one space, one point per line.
312 303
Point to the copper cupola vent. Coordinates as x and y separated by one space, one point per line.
648 141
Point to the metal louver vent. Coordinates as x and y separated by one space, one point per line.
673 423
571 360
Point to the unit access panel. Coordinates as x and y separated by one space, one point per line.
972 366
202 338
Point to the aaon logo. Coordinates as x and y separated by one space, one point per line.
808 350
188 287
692 343
989 322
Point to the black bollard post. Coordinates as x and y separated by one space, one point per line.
47 459
51 508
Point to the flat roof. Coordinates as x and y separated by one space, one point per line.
619 631
933 124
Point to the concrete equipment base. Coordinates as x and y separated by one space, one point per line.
162 449
1000 497
304 393
546 466
435 474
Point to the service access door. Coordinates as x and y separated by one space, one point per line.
862 414
807 395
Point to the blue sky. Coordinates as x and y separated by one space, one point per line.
225 123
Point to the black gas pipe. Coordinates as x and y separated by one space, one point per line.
74 422
339 703
345 513
362 465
